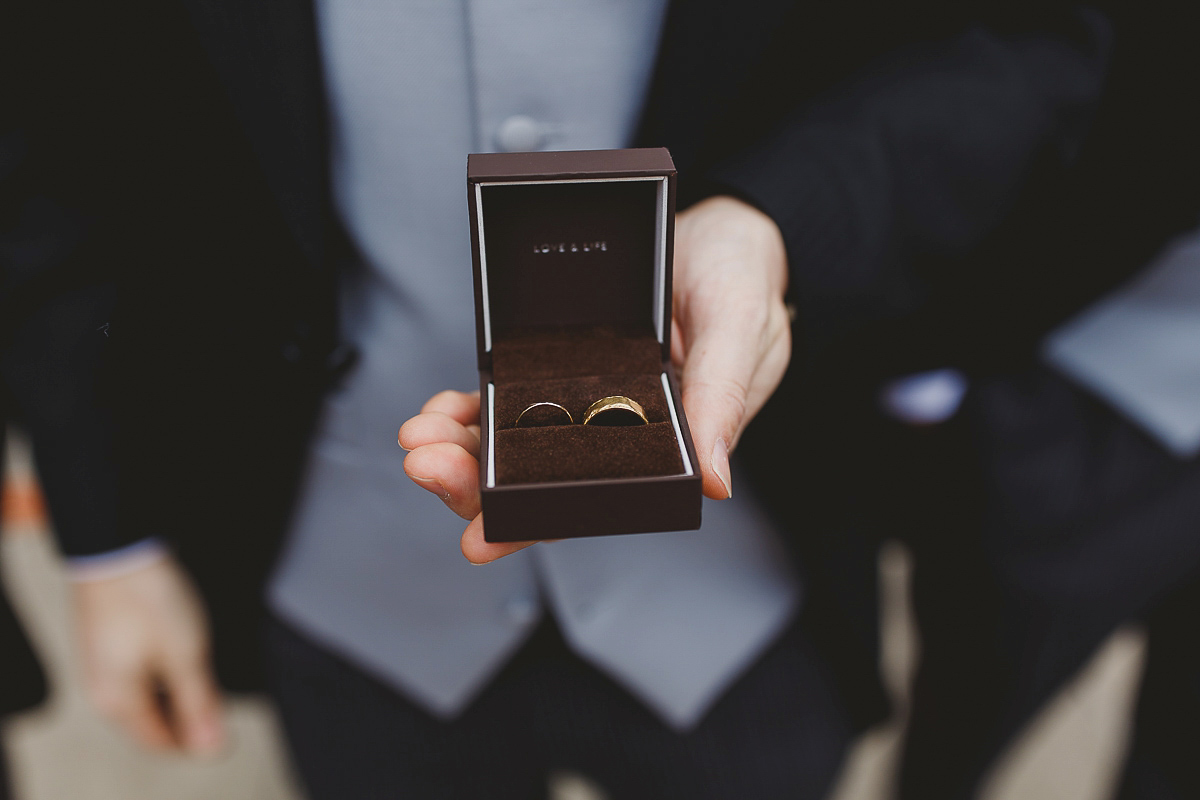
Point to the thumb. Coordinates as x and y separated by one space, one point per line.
195 708
714 413
715 389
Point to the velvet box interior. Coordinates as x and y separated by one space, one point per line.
572 256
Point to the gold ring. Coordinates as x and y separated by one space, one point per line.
615 410
543 416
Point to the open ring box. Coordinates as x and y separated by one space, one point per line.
572 255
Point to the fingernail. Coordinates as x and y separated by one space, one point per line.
720 465
402 447
442 493
206 738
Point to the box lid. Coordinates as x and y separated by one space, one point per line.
571 240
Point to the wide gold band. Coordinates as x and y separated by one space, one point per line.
615 410
540 415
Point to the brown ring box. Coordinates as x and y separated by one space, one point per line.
572 254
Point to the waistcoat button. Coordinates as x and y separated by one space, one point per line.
519 133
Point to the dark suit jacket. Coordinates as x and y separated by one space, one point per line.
888 142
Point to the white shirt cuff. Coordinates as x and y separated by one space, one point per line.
115 563
925 398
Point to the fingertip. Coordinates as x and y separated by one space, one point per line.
442 398
211 744
715 410
409 436
431 461
205 729
463 407
415 467
450 472
473 545
196 709
434 427
415 462
479 551
713 453
719 464
205 739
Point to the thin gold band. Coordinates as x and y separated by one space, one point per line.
530 424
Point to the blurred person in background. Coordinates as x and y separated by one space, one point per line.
281 188
1079 445
1056 498
53 305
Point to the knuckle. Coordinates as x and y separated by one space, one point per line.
439 400
729 394
745 307
756 314
733 396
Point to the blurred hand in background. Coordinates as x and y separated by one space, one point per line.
144 639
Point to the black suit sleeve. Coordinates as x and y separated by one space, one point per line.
916 160
54 303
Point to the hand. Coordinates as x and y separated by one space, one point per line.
444 458
144 644
731 333
731 339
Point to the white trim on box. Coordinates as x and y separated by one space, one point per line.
687 462
660 249
491 410
483 276
572 180
660 261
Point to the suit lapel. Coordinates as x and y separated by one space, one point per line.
707 50
266 53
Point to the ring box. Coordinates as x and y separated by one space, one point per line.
572 254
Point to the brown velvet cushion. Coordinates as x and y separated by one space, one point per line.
585 452
575 353
575 369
